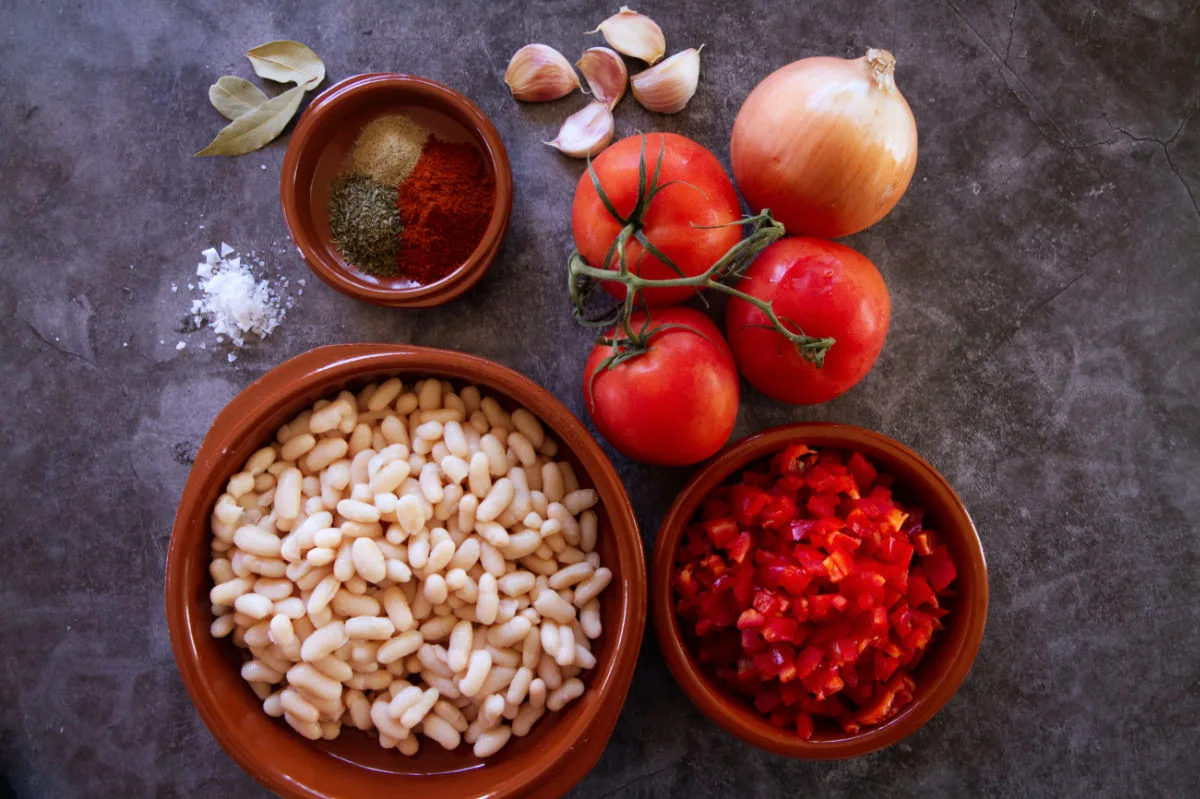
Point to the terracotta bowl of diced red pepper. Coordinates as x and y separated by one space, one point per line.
819 591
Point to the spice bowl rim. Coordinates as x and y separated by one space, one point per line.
563 751
934 690
331 107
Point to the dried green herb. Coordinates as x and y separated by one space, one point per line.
365 224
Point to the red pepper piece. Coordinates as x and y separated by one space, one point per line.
885 666
793 580
808 661
810 559
740 548
920 593
823 504
939 568
756 479
839 565
924 542
743 584
864 473
840 541
721 532
791 460
805 726
751 619
781 629
714 509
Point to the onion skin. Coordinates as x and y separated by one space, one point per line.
828 144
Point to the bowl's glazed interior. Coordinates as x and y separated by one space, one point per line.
319 152
950 654
561 747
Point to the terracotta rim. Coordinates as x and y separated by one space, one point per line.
567 754
951 655
302 151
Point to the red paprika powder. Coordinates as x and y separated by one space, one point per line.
445 206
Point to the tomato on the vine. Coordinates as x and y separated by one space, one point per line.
674 404
827 289
678 221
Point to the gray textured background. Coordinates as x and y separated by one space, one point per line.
1045 279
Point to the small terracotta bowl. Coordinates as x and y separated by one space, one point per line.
562 747
951 652
319 150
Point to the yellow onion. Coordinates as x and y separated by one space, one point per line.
828 144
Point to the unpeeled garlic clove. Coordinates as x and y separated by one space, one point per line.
634 34
538 73
586 132
667 87
605 73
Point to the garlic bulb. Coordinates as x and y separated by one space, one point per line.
634 34
604 70
586 132
666 88
538 73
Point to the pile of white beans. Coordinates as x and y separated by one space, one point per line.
409 561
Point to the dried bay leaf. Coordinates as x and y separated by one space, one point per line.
234 96
286 61
257 128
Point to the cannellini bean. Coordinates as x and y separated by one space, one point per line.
589 619
441 731
498 498
334 668
226 593
479 664
323 642
516 583
413 716
492 741
524 450
256 541
529 426
295 447
375 628
321 686
385 722
508 633
400 647
570 690
256 606
570 575
591 588
527 716
368 560
565 655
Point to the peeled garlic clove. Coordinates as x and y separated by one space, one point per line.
605 73
667 87
538 73
586 132
634 34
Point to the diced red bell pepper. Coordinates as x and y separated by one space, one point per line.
743 584
811 559
751 619
885 667
920 593
714 509
791 459
756 479
822 504
804 726
793 580
740 548
840 541
924 542
748 502
721 531
781 629
939 568
839 565
778 513
864 473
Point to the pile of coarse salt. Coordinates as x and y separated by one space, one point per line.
234 303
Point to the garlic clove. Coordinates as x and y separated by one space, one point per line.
666 88
634 34
538 73
605 73
586 132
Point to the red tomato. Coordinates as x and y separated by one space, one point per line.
829 290
670 222
674 405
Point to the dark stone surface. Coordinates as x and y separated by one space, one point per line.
1043 354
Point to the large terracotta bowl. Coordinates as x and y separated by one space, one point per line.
318 152
562 747
951 652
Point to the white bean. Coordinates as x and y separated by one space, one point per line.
323 642
491 741
570 690
371 628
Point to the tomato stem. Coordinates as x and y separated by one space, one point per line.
582 277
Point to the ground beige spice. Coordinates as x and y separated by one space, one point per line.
388 148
